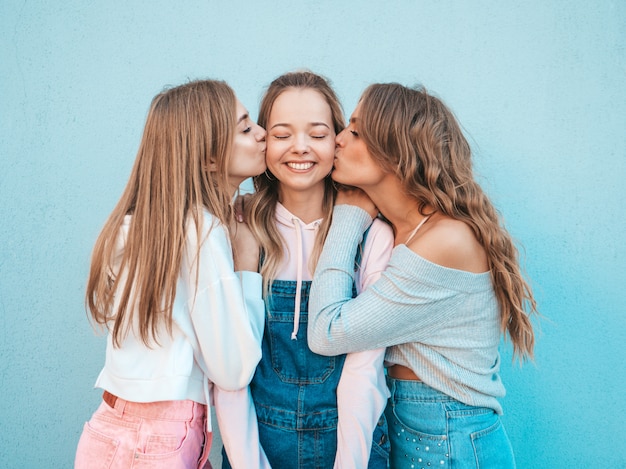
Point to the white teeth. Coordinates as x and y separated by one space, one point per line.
300 166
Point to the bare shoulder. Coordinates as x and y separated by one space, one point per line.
450 243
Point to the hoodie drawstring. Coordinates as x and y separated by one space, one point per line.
296 312
297 224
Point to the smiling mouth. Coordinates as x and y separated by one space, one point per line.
300 166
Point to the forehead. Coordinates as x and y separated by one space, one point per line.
301 104
240 109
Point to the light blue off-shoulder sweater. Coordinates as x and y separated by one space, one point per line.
442 323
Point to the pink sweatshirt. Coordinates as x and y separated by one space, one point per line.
362 392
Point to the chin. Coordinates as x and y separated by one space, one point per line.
338 178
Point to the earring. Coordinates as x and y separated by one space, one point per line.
269 176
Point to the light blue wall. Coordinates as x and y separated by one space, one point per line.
539 87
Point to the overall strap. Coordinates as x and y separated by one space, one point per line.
359 251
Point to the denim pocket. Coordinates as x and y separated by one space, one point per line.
292 360
492 448
178 447
158 444
287 448
409 427
162 439
484 440
95 450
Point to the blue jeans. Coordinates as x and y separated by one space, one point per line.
430 429
295 391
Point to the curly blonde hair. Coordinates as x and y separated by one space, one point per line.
413 135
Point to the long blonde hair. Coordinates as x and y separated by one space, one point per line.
188 129
413 135
262 209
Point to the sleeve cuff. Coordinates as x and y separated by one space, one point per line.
351 217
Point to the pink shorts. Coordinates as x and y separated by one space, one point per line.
169 434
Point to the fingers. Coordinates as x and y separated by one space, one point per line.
239 207
354 196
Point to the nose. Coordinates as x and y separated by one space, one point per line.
339 138
260 133
300 144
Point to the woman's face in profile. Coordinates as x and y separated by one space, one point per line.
248 158
354 164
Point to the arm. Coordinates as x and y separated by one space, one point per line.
376 254
226 309
361 399
235 411
239 429
362 391
245 247
402 306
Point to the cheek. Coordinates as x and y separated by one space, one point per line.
359 155
326 152
272 155
241 146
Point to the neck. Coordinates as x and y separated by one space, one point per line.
306 205
234 186
397 206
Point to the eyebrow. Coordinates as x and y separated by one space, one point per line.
311 124
243 118
353 120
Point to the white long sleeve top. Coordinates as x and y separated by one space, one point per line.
216 334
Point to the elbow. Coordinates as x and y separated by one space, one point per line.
319 336
240 374
321 349
227 385
320 344
236 383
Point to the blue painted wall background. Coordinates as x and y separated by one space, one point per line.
538 86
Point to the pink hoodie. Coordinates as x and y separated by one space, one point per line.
362 391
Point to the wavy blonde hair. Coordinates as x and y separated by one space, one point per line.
188 129
413 135
262 207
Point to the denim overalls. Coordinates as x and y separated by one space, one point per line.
295 391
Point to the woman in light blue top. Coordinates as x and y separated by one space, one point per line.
453 285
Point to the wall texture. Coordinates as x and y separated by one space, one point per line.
539 87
